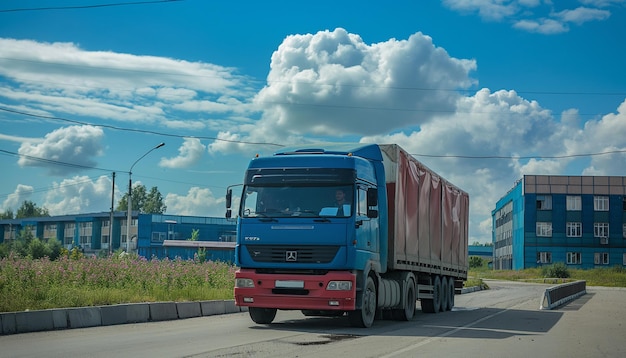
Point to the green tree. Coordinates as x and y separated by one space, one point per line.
154 202
142 201
30 210
7 214
195 235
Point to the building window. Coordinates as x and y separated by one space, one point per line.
601 203
574 229
85 241
158 236
601 230
544 257
624 231
544 202
544 229
601 258
573 258
574 203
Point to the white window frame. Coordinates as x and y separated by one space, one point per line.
574 203
601 203
601 258
574 229
544 229
544 202
574 258
544 257
601 230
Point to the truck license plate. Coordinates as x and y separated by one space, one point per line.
289 284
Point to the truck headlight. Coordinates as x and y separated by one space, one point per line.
339 286
244 283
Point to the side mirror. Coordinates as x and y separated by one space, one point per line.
372 214
229 199
229 213
372 197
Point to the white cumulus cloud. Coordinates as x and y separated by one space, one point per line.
197 202
190 153
64 150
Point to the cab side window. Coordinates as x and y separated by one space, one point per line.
362 201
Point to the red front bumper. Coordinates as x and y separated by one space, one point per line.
295 292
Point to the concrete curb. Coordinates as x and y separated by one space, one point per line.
67 318
471 289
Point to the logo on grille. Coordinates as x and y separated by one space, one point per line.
291 256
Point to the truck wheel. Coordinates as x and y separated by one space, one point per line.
364 317
450 293
408 312
262 315
444 294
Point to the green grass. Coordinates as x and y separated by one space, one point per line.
609 277
75 281
27 284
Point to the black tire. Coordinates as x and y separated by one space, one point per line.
407 313
262 315
364 317
450 293
437 294
444 294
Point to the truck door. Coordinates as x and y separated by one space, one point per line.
366 228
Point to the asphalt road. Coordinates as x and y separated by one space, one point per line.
504 321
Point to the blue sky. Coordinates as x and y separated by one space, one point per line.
87 90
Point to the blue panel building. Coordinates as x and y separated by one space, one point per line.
149 233
577 220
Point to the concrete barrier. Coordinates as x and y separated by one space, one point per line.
65 318
558 295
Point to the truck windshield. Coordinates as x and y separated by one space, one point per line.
297 201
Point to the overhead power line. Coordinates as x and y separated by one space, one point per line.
144 131
88 6
281 145
58 162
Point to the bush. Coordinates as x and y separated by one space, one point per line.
37 249
558 270
476 262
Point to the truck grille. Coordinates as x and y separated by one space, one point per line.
295 254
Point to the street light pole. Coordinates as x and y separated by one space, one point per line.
130 193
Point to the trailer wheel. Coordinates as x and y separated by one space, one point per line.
408 312
450 293
444 294
364 317
262 315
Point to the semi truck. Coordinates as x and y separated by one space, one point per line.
399 236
